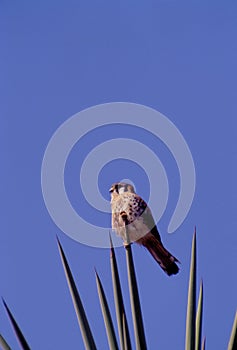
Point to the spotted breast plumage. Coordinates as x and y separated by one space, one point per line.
132 219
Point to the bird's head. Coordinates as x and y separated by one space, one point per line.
121 187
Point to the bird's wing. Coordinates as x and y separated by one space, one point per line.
149 221
146 214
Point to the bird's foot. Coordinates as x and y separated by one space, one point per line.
126 244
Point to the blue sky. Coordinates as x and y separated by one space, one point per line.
60 57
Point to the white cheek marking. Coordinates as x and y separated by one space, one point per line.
121 190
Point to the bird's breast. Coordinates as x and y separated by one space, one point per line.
131 205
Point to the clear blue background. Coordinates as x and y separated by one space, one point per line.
59 57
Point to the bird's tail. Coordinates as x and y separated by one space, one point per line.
166 260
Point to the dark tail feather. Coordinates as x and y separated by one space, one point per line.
160 254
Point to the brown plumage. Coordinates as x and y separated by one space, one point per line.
132 216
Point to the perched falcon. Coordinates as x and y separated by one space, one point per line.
132 219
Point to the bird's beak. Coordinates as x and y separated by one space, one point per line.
111 189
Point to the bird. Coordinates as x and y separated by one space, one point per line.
132 220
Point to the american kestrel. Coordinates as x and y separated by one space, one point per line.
132 217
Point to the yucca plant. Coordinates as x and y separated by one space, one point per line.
193 339
233 337
4 344
17 330
194 316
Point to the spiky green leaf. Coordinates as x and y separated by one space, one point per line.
204 343
135 302
113 345
124 332
191 305
16 328
233 337
124 336
80 312
4 344
199 319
